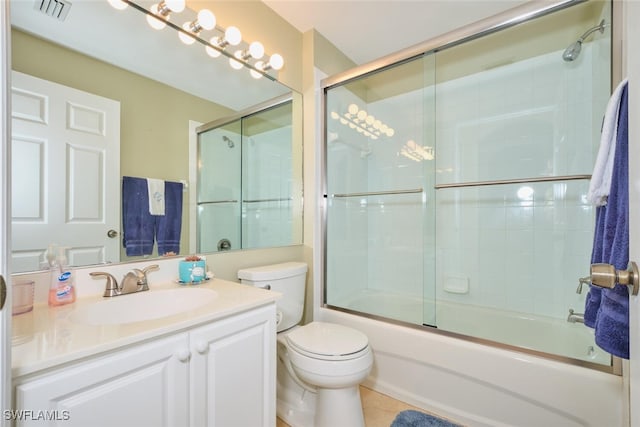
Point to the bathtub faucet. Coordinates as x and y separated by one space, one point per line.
583 281
575 317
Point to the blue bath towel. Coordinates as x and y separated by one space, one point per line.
141 229
411 418
607 310
168 226
138 225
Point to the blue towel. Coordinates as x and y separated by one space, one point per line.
169 225
138 224
411 418
607 310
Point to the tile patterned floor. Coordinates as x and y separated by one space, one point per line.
379 409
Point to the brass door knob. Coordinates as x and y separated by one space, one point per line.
3 292
606 276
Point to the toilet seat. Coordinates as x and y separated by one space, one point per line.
328 341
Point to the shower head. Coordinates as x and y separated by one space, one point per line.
229 142
572 52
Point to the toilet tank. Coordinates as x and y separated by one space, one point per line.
289 279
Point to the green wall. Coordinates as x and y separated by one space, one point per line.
154 117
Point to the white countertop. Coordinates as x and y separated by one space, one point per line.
46 336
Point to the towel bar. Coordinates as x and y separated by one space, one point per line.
514 181
379 193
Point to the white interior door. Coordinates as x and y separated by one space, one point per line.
632 38
5 313
65 173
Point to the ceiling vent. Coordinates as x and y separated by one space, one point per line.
57 9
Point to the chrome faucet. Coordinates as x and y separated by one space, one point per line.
575 317
133 281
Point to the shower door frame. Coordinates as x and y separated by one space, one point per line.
239 116
499 22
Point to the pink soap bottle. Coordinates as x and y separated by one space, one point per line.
62 290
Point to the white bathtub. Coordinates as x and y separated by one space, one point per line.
541 333
482 385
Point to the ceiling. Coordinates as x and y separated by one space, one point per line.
365 30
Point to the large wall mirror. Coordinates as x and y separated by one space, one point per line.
100 96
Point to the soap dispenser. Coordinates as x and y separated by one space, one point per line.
62 290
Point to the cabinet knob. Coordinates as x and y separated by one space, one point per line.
202 347
183 355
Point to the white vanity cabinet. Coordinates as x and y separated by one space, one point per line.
220 373
142 385
233 369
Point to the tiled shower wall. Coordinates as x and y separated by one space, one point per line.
512 247
519 247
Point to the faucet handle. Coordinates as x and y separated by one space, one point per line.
142 276
151 267
583 281
112 288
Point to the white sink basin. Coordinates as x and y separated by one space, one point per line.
142 306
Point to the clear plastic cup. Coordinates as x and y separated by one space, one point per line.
22 297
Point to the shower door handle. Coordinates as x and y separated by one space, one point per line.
606 276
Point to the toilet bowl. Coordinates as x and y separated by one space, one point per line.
319 365
327 362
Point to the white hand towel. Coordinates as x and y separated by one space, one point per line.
601 177
156 196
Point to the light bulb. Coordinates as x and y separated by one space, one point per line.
185 38
206 19
156 22
377 124
214 53
353 109
370 119
233 36
256 50
256 75
334 115
235 64
362 115
175 5
276 61
118 4
390 132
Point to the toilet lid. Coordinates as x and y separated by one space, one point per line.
327 339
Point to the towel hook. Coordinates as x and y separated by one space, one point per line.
606 276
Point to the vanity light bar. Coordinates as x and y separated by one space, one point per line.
358 119
192 31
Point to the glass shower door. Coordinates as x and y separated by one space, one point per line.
379 157
267 176
219 188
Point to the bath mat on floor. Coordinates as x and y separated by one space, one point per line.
411 418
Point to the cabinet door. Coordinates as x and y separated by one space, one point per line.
144 385
233 371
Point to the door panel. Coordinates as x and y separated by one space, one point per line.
631 53
66 156
5 313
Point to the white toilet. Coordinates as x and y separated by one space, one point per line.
320 365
